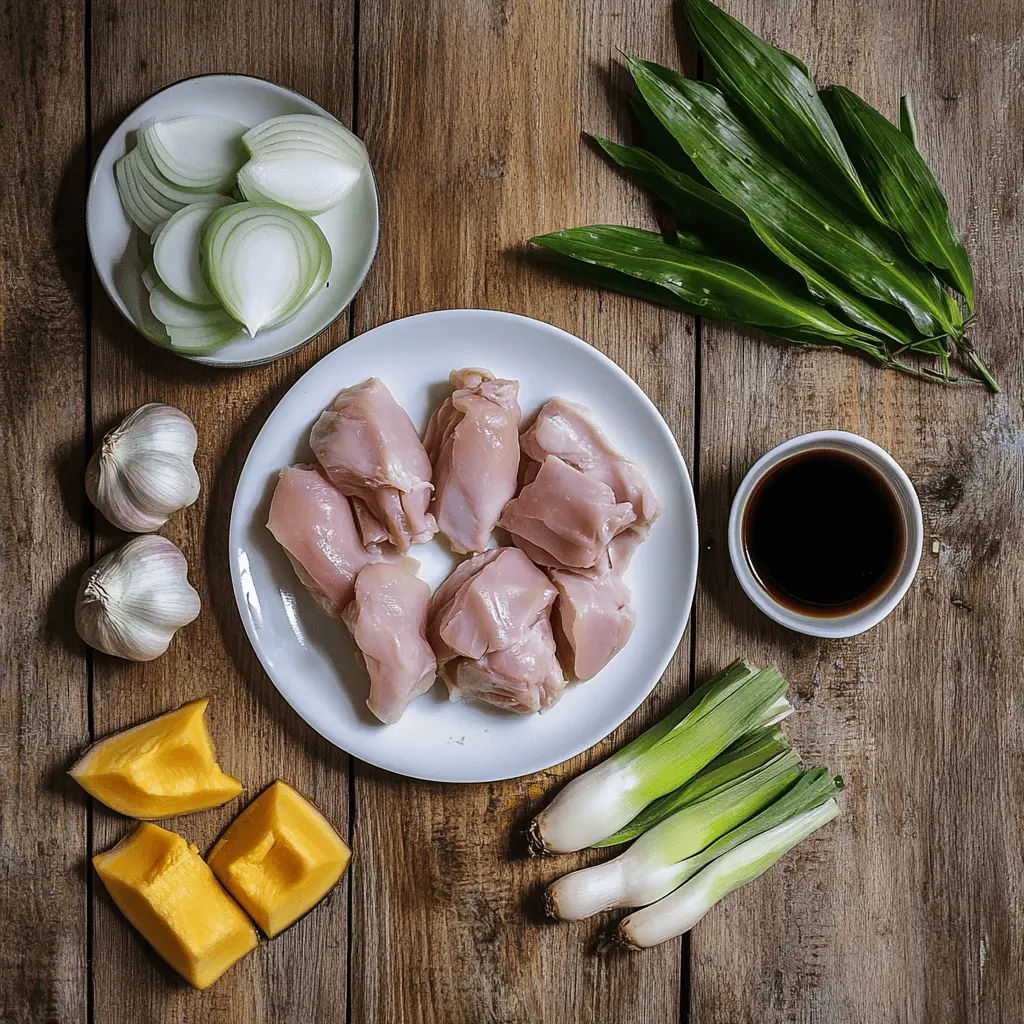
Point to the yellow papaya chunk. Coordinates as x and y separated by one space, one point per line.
168 892
165 766
279 858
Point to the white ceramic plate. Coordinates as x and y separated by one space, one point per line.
311 658
351 228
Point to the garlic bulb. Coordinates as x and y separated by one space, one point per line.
143 471
131 602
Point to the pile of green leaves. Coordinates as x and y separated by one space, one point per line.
805 214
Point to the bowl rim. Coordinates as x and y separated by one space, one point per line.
112 292
855 622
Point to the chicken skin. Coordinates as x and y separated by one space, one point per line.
388 620
473 443
371 452
313 521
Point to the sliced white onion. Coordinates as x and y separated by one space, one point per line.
200 341
308 127
201 151
188 329
300 179
142 213
263 262
172 312
165 192
176 252
148 198
294 141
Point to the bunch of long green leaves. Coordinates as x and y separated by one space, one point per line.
805 214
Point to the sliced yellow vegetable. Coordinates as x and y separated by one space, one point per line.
163 767
279 858
166 890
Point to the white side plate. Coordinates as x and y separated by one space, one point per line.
351 228
311 658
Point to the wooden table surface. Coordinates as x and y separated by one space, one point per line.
908 908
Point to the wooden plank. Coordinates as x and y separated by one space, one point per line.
301 975
907 908
472 114
43 537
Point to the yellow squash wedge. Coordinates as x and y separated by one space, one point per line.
279 858
165 766
168 892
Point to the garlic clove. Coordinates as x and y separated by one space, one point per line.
144 470
132 601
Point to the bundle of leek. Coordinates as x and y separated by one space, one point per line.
713 796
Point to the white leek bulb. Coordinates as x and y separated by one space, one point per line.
132 601
144 471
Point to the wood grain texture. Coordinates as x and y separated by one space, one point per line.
44 543
472 113
908 907
301 975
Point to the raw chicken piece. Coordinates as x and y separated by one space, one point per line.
370 451
488 604
565 429
490 627
473 443
369 529
388 619
312 520
593 620
564 518
524 678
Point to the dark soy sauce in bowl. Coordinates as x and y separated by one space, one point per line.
823 533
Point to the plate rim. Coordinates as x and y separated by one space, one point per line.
115 298
691 555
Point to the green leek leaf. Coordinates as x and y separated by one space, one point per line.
698 704
812 789
680 911
604 799
734 764
903 187
746 753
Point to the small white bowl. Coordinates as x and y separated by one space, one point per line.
903 490
351 228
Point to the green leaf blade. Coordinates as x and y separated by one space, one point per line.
706 285
790 216
657 139
813 788
733 764
908 121
696 205
903 186
777 92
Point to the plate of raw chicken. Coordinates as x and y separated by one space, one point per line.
464 546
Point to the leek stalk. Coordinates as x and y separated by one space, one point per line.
742 757
599 802
658 861
679 912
